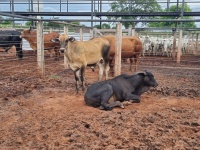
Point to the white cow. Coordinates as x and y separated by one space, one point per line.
167 47
146 45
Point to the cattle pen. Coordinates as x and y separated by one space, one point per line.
39 108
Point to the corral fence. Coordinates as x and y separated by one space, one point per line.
21 75
93 32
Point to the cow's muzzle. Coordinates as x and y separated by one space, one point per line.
155 85
62 50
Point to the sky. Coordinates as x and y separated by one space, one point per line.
79 6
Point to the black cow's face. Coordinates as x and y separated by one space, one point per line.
150 80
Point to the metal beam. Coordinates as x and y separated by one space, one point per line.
99 14
94 20
103 20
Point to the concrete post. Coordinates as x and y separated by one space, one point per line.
118 47
40 48
179 46
81 34
66 66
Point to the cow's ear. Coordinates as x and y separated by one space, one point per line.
56 40
142 74
71 39
145 72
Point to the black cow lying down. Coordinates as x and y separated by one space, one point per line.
111 93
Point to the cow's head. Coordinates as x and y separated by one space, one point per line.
63 40
26 33
149 79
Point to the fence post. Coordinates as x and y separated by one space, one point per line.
174 43
65 58
129 30
50 29
95 33
91 33
196 41
179 46
81 34
40 48
65 29
118 47
133 32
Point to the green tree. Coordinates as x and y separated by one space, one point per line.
1 18
105 26
7 22
172 24
97 26
28 23
134 6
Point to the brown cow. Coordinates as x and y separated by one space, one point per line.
31 36
131 48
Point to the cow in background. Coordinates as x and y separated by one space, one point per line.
131 48
146 45
167 47
9 39
31 36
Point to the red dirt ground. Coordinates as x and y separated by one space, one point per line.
47 114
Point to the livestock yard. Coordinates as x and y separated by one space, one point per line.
47 113
39 107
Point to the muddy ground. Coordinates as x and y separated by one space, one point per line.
46 113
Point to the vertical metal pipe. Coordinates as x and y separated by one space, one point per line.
32 22
29 5
60 5
98 4
168 3
182 11
38 6
67 5
13 24
100 12
177 11
92 12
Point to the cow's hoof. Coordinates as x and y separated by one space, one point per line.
121 106
105 108
126 103
108 109
134 101
101 108
131 101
